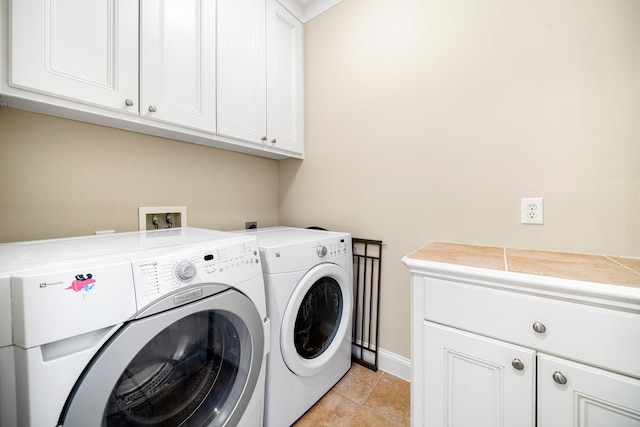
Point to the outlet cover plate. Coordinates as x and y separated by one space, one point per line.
531 210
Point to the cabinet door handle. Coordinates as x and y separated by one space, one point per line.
559 378
263 139
128 102
517 364
152 108
273 141
539 328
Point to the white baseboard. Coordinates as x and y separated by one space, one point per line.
387 361
394 364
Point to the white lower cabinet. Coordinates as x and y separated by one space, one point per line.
471 380
590 397
519 351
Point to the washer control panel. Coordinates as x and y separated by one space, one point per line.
157 276
331 249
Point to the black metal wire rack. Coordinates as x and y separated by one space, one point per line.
367 266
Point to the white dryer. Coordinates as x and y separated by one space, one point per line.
309 281
163 327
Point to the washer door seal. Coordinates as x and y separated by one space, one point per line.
317 320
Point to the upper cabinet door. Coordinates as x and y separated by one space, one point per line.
241 69
178 60
285 80
83 50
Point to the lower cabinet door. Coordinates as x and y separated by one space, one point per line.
573 394
472 380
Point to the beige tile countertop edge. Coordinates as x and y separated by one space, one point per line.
560 265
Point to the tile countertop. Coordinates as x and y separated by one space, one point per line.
588 268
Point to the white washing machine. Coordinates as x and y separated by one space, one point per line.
309 281
163 327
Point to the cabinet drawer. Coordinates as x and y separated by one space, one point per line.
598 336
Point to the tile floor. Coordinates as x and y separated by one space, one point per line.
362 398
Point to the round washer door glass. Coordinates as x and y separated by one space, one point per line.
317 320
186 372
196 365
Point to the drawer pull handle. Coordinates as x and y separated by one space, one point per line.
517 364
559 378
539 328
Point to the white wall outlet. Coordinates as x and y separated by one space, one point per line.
531 210
158 217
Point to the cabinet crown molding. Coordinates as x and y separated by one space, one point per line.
305 10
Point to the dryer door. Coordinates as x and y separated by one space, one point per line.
317 320
196 365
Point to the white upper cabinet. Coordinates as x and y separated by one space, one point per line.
285 80
82 50
260 75
178 62
222 73
241 70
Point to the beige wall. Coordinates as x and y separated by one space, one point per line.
66 178
425 120
429 120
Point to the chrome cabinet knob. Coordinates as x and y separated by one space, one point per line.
152 108
559 378
273 141
128 102
539 328
264 139
517 364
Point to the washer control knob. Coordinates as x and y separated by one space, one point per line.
321 250
185 270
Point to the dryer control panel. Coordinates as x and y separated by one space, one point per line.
331 249
157 276
304 255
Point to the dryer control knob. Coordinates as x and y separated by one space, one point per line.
321 250
186 270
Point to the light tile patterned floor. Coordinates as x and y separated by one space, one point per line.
362 398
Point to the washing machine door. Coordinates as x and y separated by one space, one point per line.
317 320
196 365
